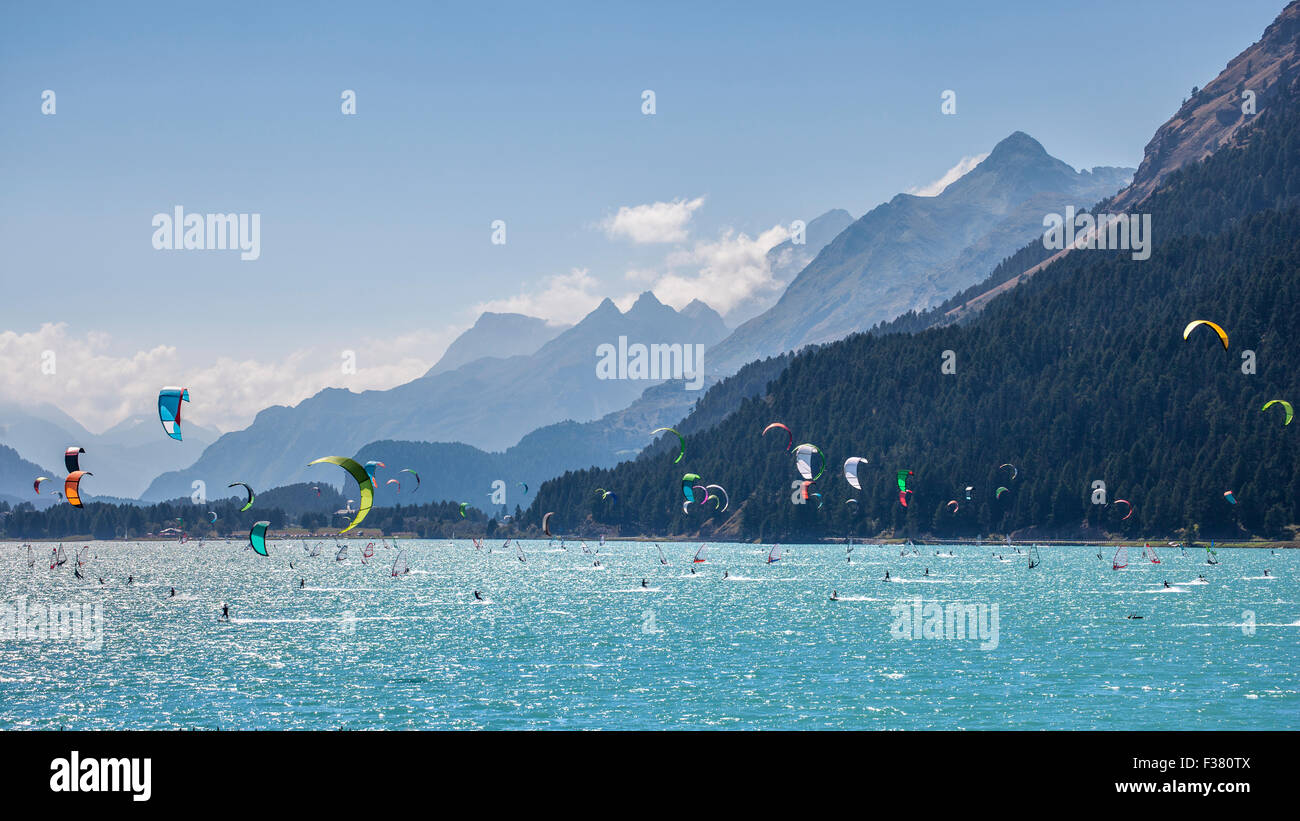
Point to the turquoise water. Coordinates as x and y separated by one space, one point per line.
560 644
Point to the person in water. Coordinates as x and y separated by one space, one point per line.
1265 571
596 563
692 570
172 594
1166 582
130 579
927 571
726 573
886 575
302 582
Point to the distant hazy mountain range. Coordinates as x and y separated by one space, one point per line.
912 252
489 403
787 259
123 458
497 335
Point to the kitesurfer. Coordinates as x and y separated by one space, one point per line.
172 594
643 584
835 595
225 612
478 596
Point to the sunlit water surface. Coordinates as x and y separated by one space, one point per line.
562 644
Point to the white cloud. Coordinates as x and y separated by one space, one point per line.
99 388
723 273
949 177
655 222
563 298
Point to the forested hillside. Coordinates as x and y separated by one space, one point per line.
1078 375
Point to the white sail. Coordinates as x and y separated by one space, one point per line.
342 554
400 567
662 558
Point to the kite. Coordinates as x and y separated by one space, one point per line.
72 458
249 503
789 445
71 487
851 470
36 486
546 523
803 461
257 538
169 410
681 441
413 473
1286 406
1223 336
366 484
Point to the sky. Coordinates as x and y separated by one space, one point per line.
376 228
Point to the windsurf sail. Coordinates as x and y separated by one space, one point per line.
699 555
315 551
1034 560
31 556
83 556
1120 561
342 554
774 555
1149 552
519 554
400 567
367 552
662 559
1211 556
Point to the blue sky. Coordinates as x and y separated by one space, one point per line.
376 227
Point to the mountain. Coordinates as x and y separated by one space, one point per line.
489 403
1211 120
500 336
1213 116
787 259
123 458
1079 375
912 252
17 475
453 471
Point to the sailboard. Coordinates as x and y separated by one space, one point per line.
1121 559
774 555
1034 560
400 567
